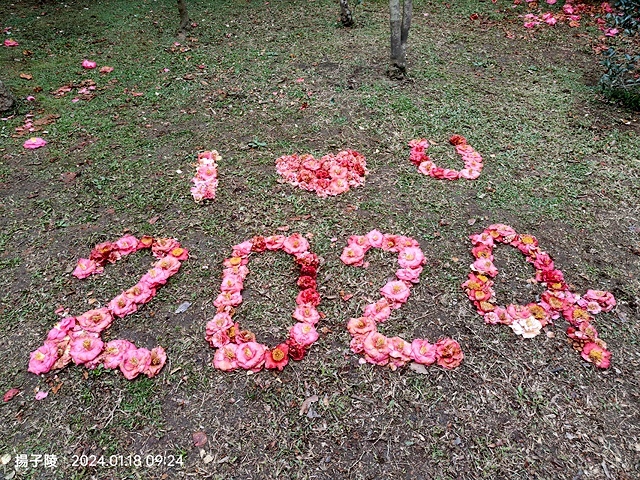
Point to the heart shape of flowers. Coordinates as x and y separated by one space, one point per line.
205 182
238 348
528 320
365 338
329 175
472 160
78 339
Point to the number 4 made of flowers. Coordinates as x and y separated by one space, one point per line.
78 339
365 338
557 300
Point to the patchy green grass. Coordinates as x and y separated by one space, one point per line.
561 163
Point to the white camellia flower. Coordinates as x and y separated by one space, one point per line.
527 327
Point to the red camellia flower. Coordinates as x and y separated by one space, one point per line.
457 140
310 296
259 244
306 281
309 271
277 358
296 351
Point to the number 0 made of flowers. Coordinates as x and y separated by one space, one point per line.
557 299
78 339
238 348
378 349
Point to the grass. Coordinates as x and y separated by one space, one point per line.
560 163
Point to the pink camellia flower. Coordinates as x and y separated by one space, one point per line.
411 257
376 348
122 305
469 174
127 244
338 186
449 353
134 362
163 246
169 264
95 320
113 353
277 358
243 249
484 266
606 299
409 274
549 19
375 238
423 352
250 356
357 344
158 357
551 2
225 358
61 329
306 313
140 293
10 42
274 242
482 238
594 353
498 316
399 350
228 299
295 243
379 311
397 292
88 64
179 253
427 167
218 338
527 327
450 174
85 347
231 283
303 334
221 321
155 277
86 268
34 142
352 255
43 358
361 326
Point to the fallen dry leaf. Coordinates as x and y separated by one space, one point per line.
284 228
68 177
26 76
153 220
304 408
345 296
10 394
199 438
56 388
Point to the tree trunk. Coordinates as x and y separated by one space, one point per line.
7 99
184 17
345 14
400 22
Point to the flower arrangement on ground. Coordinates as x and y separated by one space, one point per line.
205 182
472 160
237 348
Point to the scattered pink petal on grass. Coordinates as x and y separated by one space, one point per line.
41 394
299 80
551 2
75 100
612 32
88 64
30 98
10 42
10 394
165 70
106 69
34 142
202 66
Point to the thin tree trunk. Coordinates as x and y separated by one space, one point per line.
184 17
345 13
400 23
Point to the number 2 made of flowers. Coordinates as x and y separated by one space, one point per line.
377 348
78 339
238 348
557 300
